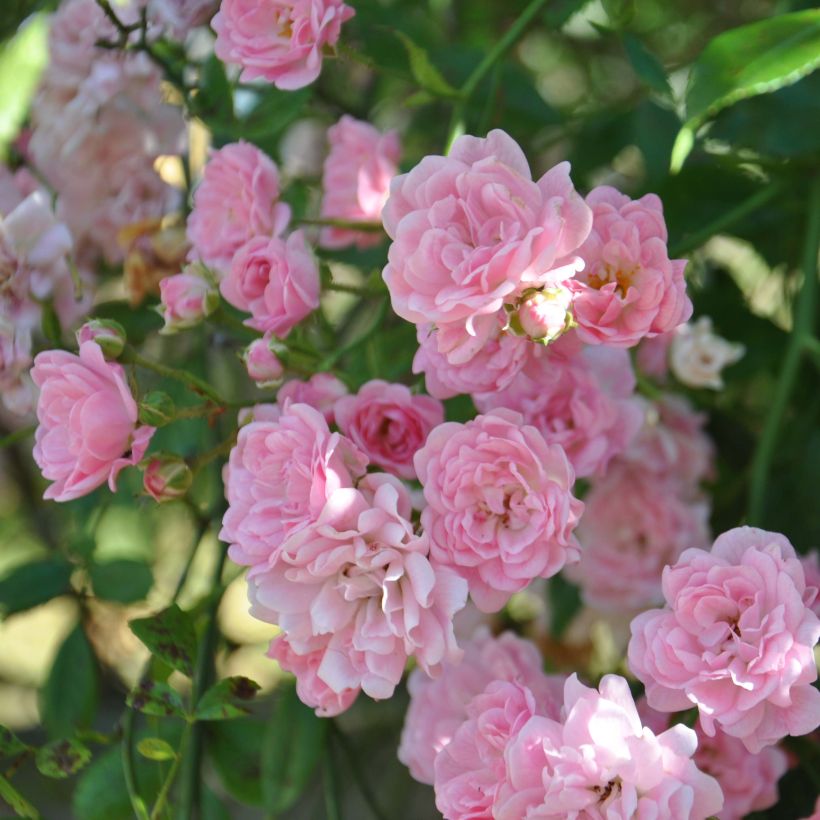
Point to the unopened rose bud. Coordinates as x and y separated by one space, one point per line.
106 333
187 298
166 477
697 355
261 358
157 409
544 316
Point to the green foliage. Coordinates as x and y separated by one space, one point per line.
16 801
226 699
153 697
123 581
33 584
170 636
155 748
10 744
62 758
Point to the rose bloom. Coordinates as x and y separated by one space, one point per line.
187 298
580 398
262 363
356 179
652 355
811 567
472 230
633 526
281 41
87 430
321 390
438 706
697 355
176 18
628 288
275 280
358 585
600 763
278 478
237 199
500 508
735 640
455 361
388 423
15 360
748 781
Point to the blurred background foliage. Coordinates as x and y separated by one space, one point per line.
602 84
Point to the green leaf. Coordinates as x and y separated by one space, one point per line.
646 65
294 744
155 748
33 584
223 700
425 73
62 758
101 793
69 697
10 744
235 748
125 582
754 59
50 324
170 636
138 322
565 600
154 698
16 801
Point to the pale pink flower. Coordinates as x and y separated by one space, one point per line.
281 41
187 298
176 18
580 398
310 688
278 478
735 640
358 584
438 706
455 361
472 230
322 390
470 769
88 430
107 334
600 763
811 567
237 199
748 781
388 423
545 315
15 360
500 508
356 179
262 363
698 355
652 355
628 288
275 280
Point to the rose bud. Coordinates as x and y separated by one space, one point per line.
187 298
262 360
544 316
166 477
106 333
157 409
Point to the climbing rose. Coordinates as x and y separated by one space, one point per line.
388 423
357 585
87 417
262 362
500 508
438 706
735 640
697 354
187 298
237 199
321 391
601 763
628 288
472 230
281 41
275 280
356 180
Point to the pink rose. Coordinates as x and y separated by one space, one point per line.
600 762
633 526
472 230
358 585
237 199
187 298
322 391
276 281
281 41
811 567
545 315
438 706
15 360
735 640
629 288
388 423
176 18
748 781
454 360
87 417
652 356
262 362
278 478
356 179
500 508
580 398
310 688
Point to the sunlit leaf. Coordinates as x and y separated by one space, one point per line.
170 636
